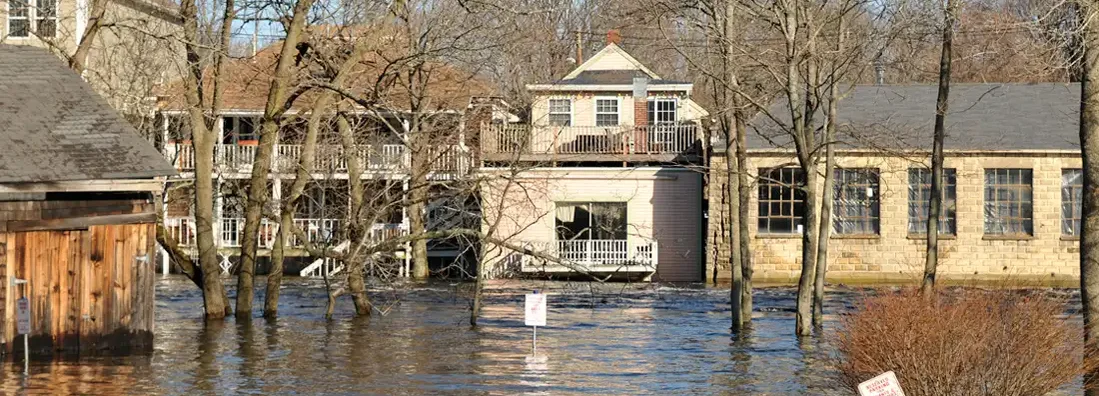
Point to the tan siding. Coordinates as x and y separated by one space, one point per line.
893 255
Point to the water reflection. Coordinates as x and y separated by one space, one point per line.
643 339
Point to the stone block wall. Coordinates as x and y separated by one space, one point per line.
894 255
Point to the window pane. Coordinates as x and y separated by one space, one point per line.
856 197
781 202
1008 201
1072 190
18 28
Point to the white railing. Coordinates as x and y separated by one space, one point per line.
318 231
182 229
329 158
617 139
325 267
598 255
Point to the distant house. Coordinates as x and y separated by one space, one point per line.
601 180
77 219
1013 187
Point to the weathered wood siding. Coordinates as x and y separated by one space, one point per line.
90 289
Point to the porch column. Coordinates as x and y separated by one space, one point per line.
218 210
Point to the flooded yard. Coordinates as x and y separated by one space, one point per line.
614 339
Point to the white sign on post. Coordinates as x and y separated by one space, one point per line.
536 310
885 384
23 316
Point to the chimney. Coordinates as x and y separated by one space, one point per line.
641 114
613 37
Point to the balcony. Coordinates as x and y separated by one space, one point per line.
447 161
318 231
661 143
593 255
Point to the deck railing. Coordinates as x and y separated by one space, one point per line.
570 140
320 231
615 255
329 158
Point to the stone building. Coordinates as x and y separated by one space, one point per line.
1012 194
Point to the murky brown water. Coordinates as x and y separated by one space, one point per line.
624 339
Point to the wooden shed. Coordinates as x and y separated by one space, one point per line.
77 214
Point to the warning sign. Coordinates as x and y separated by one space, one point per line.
23 316
536 309
885 384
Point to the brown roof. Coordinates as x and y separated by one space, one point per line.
247 80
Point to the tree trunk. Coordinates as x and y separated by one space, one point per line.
745 194
79 60
1089 144
213 292
826 202
258 191
356 230
732 199
935 205
417 198
808 257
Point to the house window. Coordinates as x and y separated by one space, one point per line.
560 112
1009 202
857 202
606 112
781 201
919 201
238 129
1072 197
591 221
42 12
662 111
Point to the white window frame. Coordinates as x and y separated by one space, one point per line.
32 19
617 107
656 109
550 112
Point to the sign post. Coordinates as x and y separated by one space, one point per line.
535 315
885 384
23 322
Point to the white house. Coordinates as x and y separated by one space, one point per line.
600 179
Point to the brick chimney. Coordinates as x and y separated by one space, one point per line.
614 37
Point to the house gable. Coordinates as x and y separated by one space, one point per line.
611 57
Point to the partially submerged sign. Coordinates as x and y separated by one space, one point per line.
885 384
536 309
23 316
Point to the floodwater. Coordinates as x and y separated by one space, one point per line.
615 339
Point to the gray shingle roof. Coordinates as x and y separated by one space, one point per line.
612 77
55 127
992 117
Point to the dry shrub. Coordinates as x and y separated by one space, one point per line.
962 342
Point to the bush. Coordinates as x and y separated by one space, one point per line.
965 342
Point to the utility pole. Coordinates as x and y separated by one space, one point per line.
579 47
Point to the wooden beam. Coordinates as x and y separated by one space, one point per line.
85 186
79 223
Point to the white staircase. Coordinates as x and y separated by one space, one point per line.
325 267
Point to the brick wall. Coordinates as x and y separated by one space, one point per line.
894 255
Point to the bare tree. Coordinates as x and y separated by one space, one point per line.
941 106
1089 146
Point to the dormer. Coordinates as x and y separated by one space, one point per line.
610 108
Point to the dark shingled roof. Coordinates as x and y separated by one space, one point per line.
992 117
55 127
612 77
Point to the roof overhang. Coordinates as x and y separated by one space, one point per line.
608 88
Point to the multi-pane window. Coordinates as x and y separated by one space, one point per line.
1009 202
591 220
606 112
21 14
237 129
781 201
919 201
560 112
662 111
857 202
1072 198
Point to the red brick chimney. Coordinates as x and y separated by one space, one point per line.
614 37
641 114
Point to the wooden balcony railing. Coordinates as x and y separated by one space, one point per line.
329 158
609 140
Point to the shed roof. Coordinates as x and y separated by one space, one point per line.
55 127
981 117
